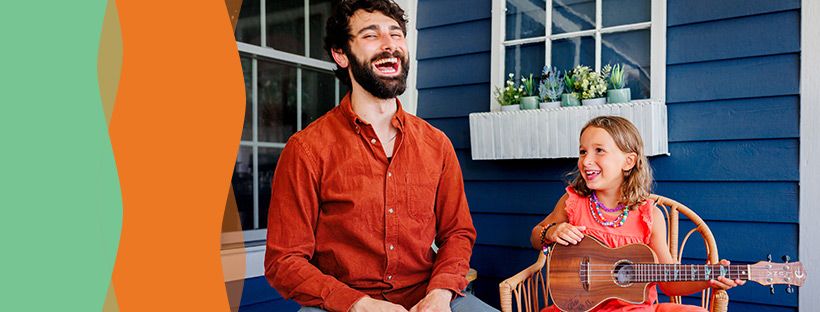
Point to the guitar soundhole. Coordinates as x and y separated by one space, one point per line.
623 273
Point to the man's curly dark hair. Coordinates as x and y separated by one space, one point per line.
337 29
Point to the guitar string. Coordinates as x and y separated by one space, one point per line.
683 278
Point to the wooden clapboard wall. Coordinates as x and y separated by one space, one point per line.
733 105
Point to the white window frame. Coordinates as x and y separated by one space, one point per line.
301 62
409 100
657 27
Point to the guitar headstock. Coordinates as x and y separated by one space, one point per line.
771 273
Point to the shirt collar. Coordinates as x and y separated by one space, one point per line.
356 122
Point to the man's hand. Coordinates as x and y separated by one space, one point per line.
367 304
437 300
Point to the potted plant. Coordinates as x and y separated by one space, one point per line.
570 96
528 98
618 93
551 88
591 85
510 96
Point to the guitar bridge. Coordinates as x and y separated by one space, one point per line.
585 273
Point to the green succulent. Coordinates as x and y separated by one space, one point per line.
618 77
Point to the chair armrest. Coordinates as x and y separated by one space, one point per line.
507 286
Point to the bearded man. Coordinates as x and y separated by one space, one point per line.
359 196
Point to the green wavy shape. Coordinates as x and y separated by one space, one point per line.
61 207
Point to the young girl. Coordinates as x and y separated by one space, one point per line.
614 180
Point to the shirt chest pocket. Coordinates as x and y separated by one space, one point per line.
422 190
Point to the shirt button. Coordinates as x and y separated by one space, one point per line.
389 174
392 247
373 141
390 210
389 277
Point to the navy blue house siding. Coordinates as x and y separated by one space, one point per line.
733 105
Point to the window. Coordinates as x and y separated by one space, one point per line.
528 34
288 84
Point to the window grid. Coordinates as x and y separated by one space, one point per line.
596 33
300 62
656 27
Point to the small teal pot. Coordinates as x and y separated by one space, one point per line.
529 102
618 96
569 99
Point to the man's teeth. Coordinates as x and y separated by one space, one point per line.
386 60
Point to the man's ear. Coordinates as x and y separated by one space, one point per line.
631 159
340 57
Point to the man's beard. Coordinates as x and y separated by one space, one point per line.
380 87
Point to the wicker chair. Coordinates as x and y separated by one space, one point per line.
529 288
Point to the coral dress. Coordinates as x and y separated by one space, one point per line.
635 230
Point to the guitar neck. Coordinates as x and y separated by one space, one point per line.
655 272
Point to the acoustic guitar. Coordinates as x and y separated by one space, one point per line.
583 276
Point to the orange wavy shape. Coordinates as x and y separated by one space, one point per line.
175 133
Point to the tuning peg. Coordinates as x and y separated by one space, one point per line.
771 289
786 258
769 257
789 289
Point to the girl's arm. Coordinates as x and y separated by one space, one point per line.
657 241
562 232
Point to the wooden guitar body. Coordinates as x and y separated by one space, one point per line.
587 274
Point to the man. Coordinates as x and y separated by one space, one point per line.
360 194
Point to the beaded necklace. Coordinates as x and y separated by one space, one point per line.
598 214
604 207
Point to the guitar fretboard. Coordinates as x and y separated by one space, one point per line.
654 272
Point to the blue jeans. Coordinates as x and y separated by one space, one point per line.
468 303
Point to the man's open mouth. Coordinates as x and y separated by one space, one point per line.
387 66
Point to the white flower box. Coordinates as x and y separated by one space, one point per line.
553 133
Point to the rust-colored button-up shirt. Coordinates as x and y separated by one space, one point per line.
344 222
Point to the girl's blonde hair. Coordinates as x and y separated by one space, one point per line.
637 184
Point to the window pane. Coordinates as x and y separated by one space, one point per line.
622 12
248 29
242 182
568 53
247 129
285 25
268 158
525 19
277 101
319 12
572 15
524 60
633 50
317 94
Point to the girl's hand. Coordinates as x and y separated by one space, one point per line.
565 233
725 283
